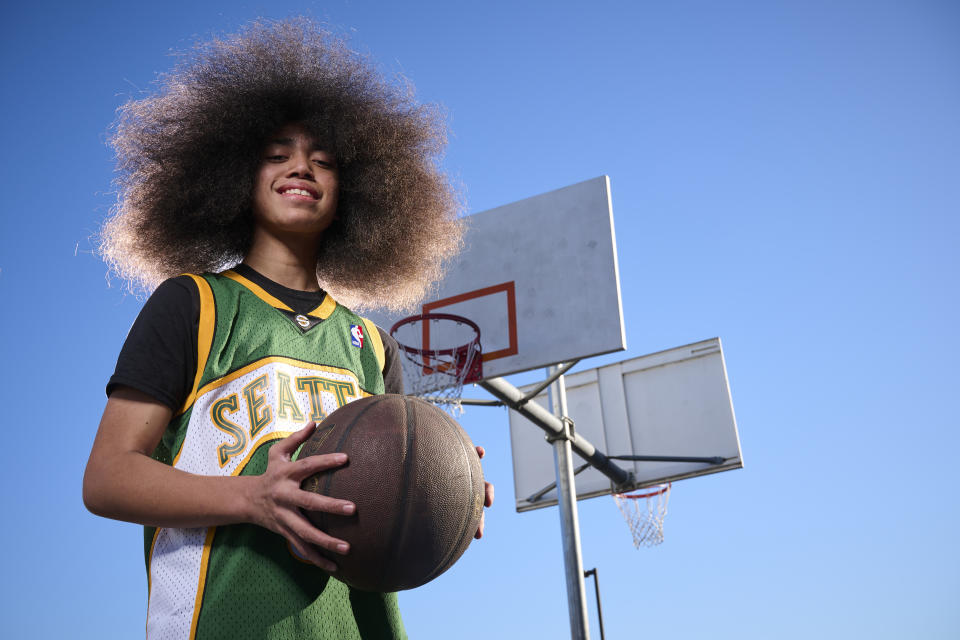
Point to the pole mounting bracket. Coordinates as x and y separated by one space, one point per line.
568 433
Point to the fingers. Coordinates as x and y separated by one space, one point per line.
488 487
305 531
315 502
309 554
487 497
309 465
307 541
288 445
309 501
278 502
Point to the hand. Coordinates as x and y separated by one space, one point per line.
278 498
487 497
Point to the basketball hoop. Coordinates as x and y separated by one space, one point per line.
644 511
441 352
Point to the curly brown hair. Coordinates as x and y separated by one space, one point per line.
187 156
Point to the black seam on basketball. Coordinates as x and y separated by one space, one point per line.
328 479
399 525
465 524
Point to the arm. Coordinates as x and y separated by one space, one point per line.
123 482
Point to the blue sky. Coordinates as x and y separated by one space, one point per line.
784 175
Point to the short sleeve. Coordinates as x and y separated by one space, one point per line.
392 367
159 356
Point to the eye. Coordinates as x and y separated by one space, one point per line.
276 158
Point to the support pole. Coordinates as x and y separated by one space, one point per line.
596 587
567 501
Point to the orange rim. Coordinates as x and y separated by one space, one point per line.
641 494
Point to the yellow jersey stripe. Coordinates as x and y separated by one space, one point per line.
208 322
153 543
377 343
326 307
239 373
270 437
323 311
205 560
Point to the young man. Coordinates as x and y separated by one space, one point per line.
281 149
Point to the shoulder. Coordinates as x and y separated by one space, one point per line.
158 356
179 290
174 298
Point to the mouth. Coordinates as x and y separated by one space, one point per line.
299 191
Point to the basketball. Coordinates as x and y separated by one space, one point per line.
415 477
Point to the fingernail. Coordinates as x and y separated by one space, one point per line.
348 508
340 457
343 547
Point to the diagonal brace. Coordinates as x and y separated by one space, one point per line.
554 427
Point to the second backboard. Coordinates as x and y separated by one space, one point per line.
671 403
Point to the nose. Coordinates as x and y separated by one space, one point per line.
300 165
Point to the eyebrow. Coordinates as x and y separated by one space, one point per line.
289 141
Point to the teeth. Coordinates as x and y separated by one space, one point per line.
299 192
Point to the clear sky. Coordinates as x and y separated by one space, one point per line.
784 176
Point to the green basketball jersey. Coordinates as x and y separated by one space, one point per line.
263 371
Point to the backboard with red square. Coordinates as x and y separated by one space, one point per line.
539 278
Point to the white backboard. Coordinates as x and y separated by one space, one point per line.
539 277
670 403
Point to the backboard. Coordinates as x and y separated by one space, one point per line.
671 403
539 277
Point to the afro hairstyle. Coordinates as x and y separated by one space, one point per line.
188 153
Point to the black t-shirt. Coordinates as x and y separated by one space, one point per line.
159 356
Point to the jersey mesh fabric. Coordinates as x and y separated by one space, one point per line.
159 354
243 581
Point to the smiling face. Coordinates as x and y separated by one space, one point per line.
295 194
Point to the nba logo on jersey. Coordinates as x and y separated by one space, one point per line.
356 335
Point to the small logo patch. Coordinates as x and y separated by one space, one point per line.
302 320
356 336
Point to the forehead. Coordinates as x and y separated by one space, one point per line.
296 134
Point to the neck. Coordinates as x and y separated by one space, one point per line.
291 265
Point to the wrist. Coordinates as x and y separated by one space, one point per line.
247 500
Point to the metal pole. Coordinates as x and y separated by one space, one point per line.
569 525
596 586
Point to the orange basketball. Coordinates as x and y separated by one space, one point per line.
415 477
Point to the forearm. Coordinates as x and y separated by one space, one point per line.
123 482
133 487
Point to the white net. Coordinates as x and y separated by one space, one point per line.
644 511
440 352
